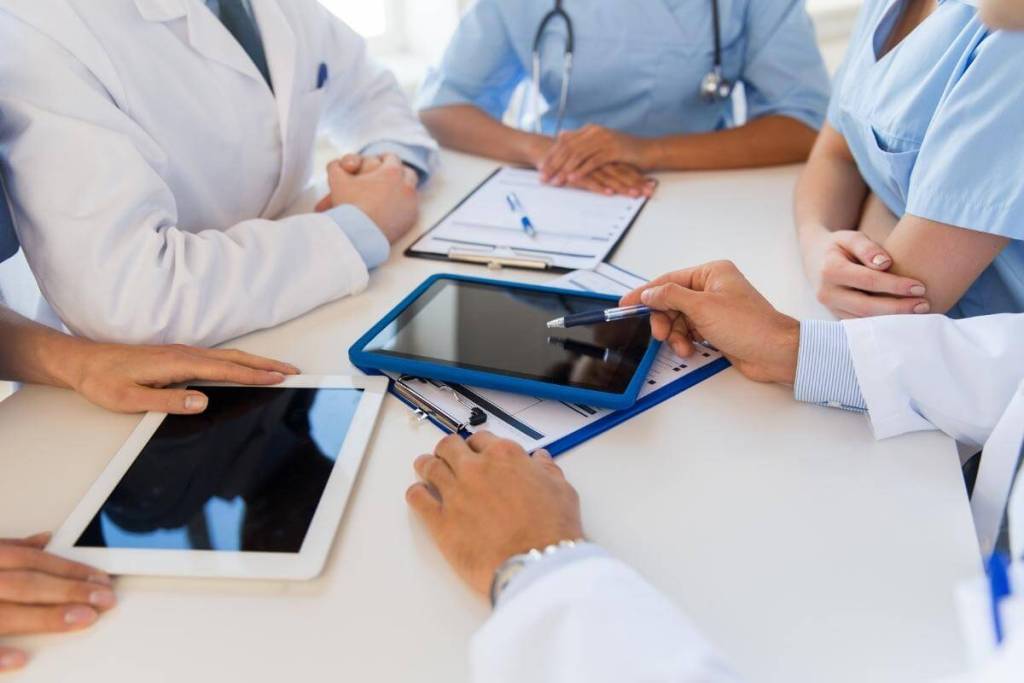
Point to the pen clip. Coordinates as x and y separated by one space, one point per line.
496 262
425 409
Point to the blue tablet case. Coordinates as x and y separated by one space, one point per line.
365 360
592 430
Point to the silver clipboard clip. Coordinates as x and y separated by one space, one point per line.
426 409
500 257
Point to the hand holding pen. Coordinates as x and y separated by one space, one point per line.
715 303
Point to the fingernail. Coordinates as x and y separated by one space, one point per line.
922 307
102 598
101 579
880 260
196 402
76 616
917 290
646 296
277 376
292 369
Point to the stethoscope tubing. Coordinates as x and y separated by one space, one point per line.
721 90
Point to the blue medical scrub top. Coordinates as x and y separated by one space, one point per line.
937 129
638 63
8 240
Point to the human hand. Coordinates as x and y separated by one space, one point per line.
576 154
715 303
387 194
132 379
848 271
485 499
359 164
42 593
612 179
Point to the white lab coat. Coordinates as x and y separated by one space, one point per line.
597 620
151 169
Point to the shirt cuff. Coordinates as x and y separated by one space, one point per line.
366 237
415 157
546 565
825 373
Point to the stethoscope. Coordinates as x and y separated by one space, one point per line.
714 87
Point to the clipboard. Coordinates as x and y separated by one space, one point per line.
426 410
431 400
556 248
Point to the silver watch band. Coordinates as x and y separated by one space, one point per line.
511 567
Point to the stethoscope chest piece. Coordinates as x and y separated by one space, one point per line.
715 87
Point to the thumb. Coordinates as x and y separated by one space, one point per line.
543 455
337 173
865 250
352 163
669 297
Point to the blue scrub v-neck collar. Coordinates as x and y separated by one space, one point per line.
891 17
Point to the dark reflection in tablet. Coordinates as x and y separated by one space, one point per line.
246 475
493 328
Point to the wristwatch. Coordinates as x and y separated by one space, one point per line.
511 567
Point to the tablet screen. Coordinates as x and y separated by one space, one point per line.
246 475
495 328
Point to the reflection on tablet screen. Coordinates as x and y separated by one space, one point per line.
494 328
246 475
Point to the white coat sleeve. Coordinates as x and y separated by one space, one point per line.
365 104
100 226
931 372
594 620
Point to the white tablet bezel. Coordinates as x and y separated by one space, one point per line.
304 565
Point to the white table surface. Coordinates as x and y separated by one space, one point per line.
804 549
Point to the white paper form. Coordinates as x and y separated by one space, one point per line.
575 229
536 423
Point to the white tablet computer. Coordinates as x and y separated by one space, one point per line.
253 488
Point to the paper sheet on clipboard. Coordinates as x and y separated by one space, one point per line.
575 229
536 423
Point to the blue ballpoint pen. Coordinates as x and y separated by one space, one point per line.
520 212
999 583
598 317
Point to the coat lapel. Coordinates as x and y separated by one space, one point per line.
281 46
206 34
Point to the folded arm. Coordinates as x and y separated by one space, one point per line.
836 218
862 264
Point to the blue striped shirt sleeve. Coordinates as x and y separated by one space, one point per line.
825 373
